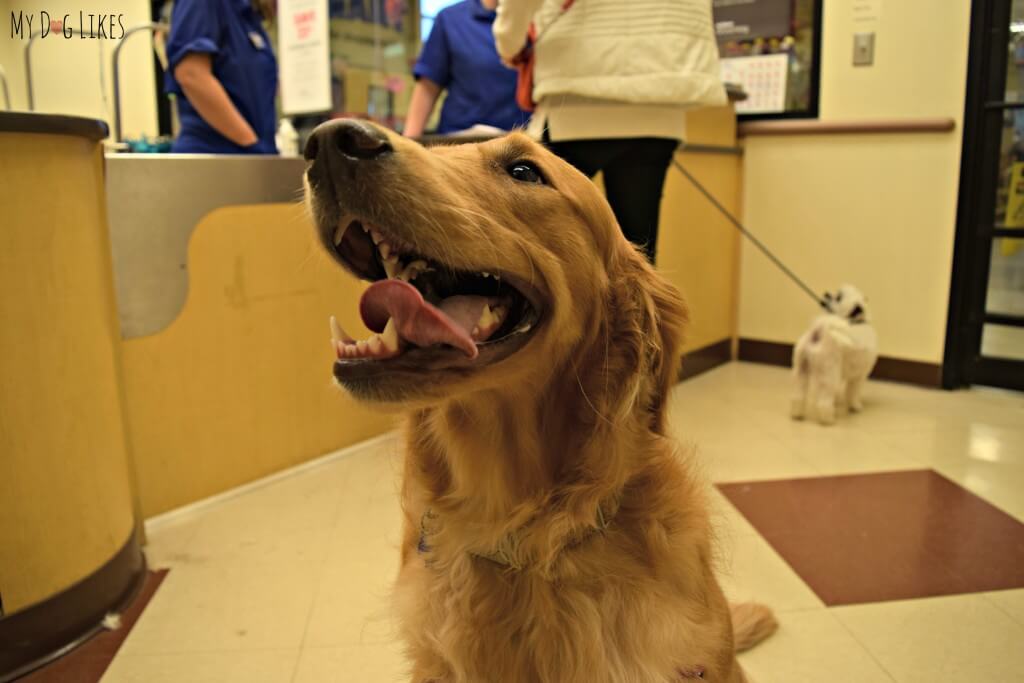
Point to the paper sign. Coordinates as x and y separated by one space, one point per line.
304 56
763 77
866 12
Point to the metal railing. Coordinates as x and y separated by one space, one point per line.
152 28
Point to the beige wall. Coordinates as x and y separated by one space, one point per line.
874 210
66 73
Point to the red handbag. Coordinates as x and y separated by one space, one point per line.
524 63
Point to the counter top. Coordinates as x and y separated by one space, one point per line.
52 124
155 201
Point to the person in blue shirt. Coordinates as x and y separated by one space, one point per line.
223 71
459 56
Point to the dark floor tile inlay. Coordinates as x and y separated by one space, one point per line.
88 662
885 536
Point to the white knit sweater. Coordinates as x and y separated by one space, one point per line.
615 68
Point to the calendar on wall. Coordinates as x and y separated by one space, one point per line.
763 77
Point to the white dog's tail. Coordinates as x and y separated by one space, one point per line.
751 623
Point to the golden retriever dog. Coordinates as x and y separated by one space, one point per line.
553 532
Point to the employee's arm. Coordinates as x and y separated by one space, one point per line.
511 25
424 97
194 74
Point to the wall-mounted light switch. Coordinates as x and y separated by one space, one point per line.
863 49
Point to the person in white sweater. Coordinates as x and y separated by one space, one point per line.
612 82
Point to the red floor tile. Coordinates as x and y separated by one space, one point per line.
885 536
88 662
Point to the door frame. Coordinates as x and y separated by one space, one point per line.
984 110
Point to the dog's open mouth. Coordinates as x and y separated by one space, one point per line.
423 314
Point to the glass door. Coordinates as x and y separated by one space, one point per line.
985 340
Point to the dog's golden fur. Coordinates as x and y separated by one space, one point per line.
530 452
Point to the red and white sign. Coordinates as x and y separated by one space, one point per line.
304 56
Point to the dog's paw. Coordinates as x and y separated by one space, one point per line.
826 414
856 406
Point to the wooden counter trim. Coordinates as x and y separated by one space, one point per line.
49 629
870 127
52 124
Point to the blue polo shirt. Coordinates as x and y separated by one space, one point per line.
460 56
231 32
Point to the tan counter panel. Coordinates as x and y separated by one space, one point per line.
65 500
698 250
239 385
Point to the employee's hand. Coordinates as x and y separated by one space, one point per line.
204 92
248 140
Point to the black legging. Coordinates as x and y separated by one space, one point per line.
634 176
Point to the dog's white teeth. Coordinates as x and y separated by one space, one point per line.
392 267
524 327
385 249
375 344
339 234
389 337
376 236
338 334
365 227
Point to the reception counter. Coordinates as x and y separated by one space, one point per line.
224 299
218 332
68 548
698 249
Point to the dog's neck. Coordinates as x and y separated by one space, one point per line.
505 450
535 466
496 453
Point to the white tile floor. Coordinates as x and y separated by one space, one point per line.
289 582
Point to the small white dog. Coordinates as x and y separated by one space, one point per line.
834 358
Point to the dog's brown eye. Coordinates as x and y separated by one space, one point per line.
525 173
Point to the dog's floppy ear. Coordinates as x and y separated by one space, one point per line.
646 321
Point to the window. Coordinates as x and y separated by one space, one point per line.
773 49
429 10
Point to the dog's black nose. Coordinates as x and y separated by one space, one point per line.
353 138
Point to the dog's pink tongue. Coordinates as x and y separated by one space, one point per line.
417 320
